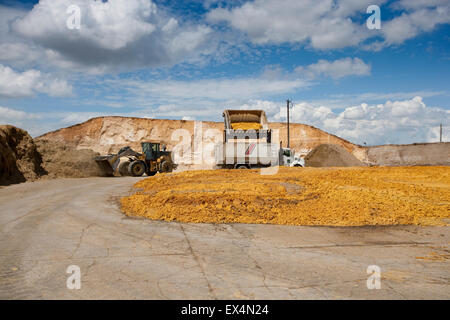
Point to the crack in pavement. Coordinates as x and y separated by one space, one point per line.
210 288
81 239
368 244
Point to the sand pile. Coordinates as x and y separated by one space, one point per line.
19 159
330 155
64 161
310 196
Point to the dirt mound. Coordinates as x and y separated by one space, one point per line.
19 158
24 159
331 155
65 161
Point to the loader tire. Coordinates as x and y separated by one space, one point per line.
123 168
166 166
136 168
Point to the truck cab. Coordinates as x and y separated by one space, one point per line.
289 159
298 162
286 157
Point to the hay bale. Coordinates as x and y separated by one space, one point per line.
331 155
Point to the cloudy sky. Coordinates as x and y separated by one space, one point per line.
191 59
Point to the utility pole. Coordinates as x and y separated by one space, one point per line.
440 134
288 140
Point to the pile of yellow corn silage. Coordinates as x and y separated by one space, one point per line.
297 196
246 126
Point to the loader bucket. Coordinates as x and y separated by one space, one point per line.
105 165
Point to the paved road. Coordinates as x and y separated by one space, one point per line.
46 226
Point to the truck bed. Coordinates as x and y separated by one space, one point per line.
255 154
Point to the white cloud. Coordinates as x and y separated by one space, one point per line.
417 4
55 87
269 107
8 114
14 84
121 35
14 50
405 121
421 16
7 16
21 119
37 123
26 84
114 35
339 101
210 90
70 118
199 99
335 69
110 25
326 24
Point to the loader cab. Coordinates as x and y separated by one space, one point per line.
151 150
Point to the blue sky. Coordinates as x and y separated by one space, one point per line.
192 59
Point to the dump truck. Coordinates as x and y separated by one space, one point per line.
151 161
247 142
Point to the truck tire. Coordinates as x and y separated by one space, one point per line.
136 168
123 168
242 166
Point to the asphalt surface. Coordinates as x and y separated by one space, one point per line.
47 226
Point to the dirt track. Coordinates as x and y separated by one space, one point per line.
45 226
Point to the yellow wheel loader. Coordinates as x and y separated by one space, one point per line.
150 161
